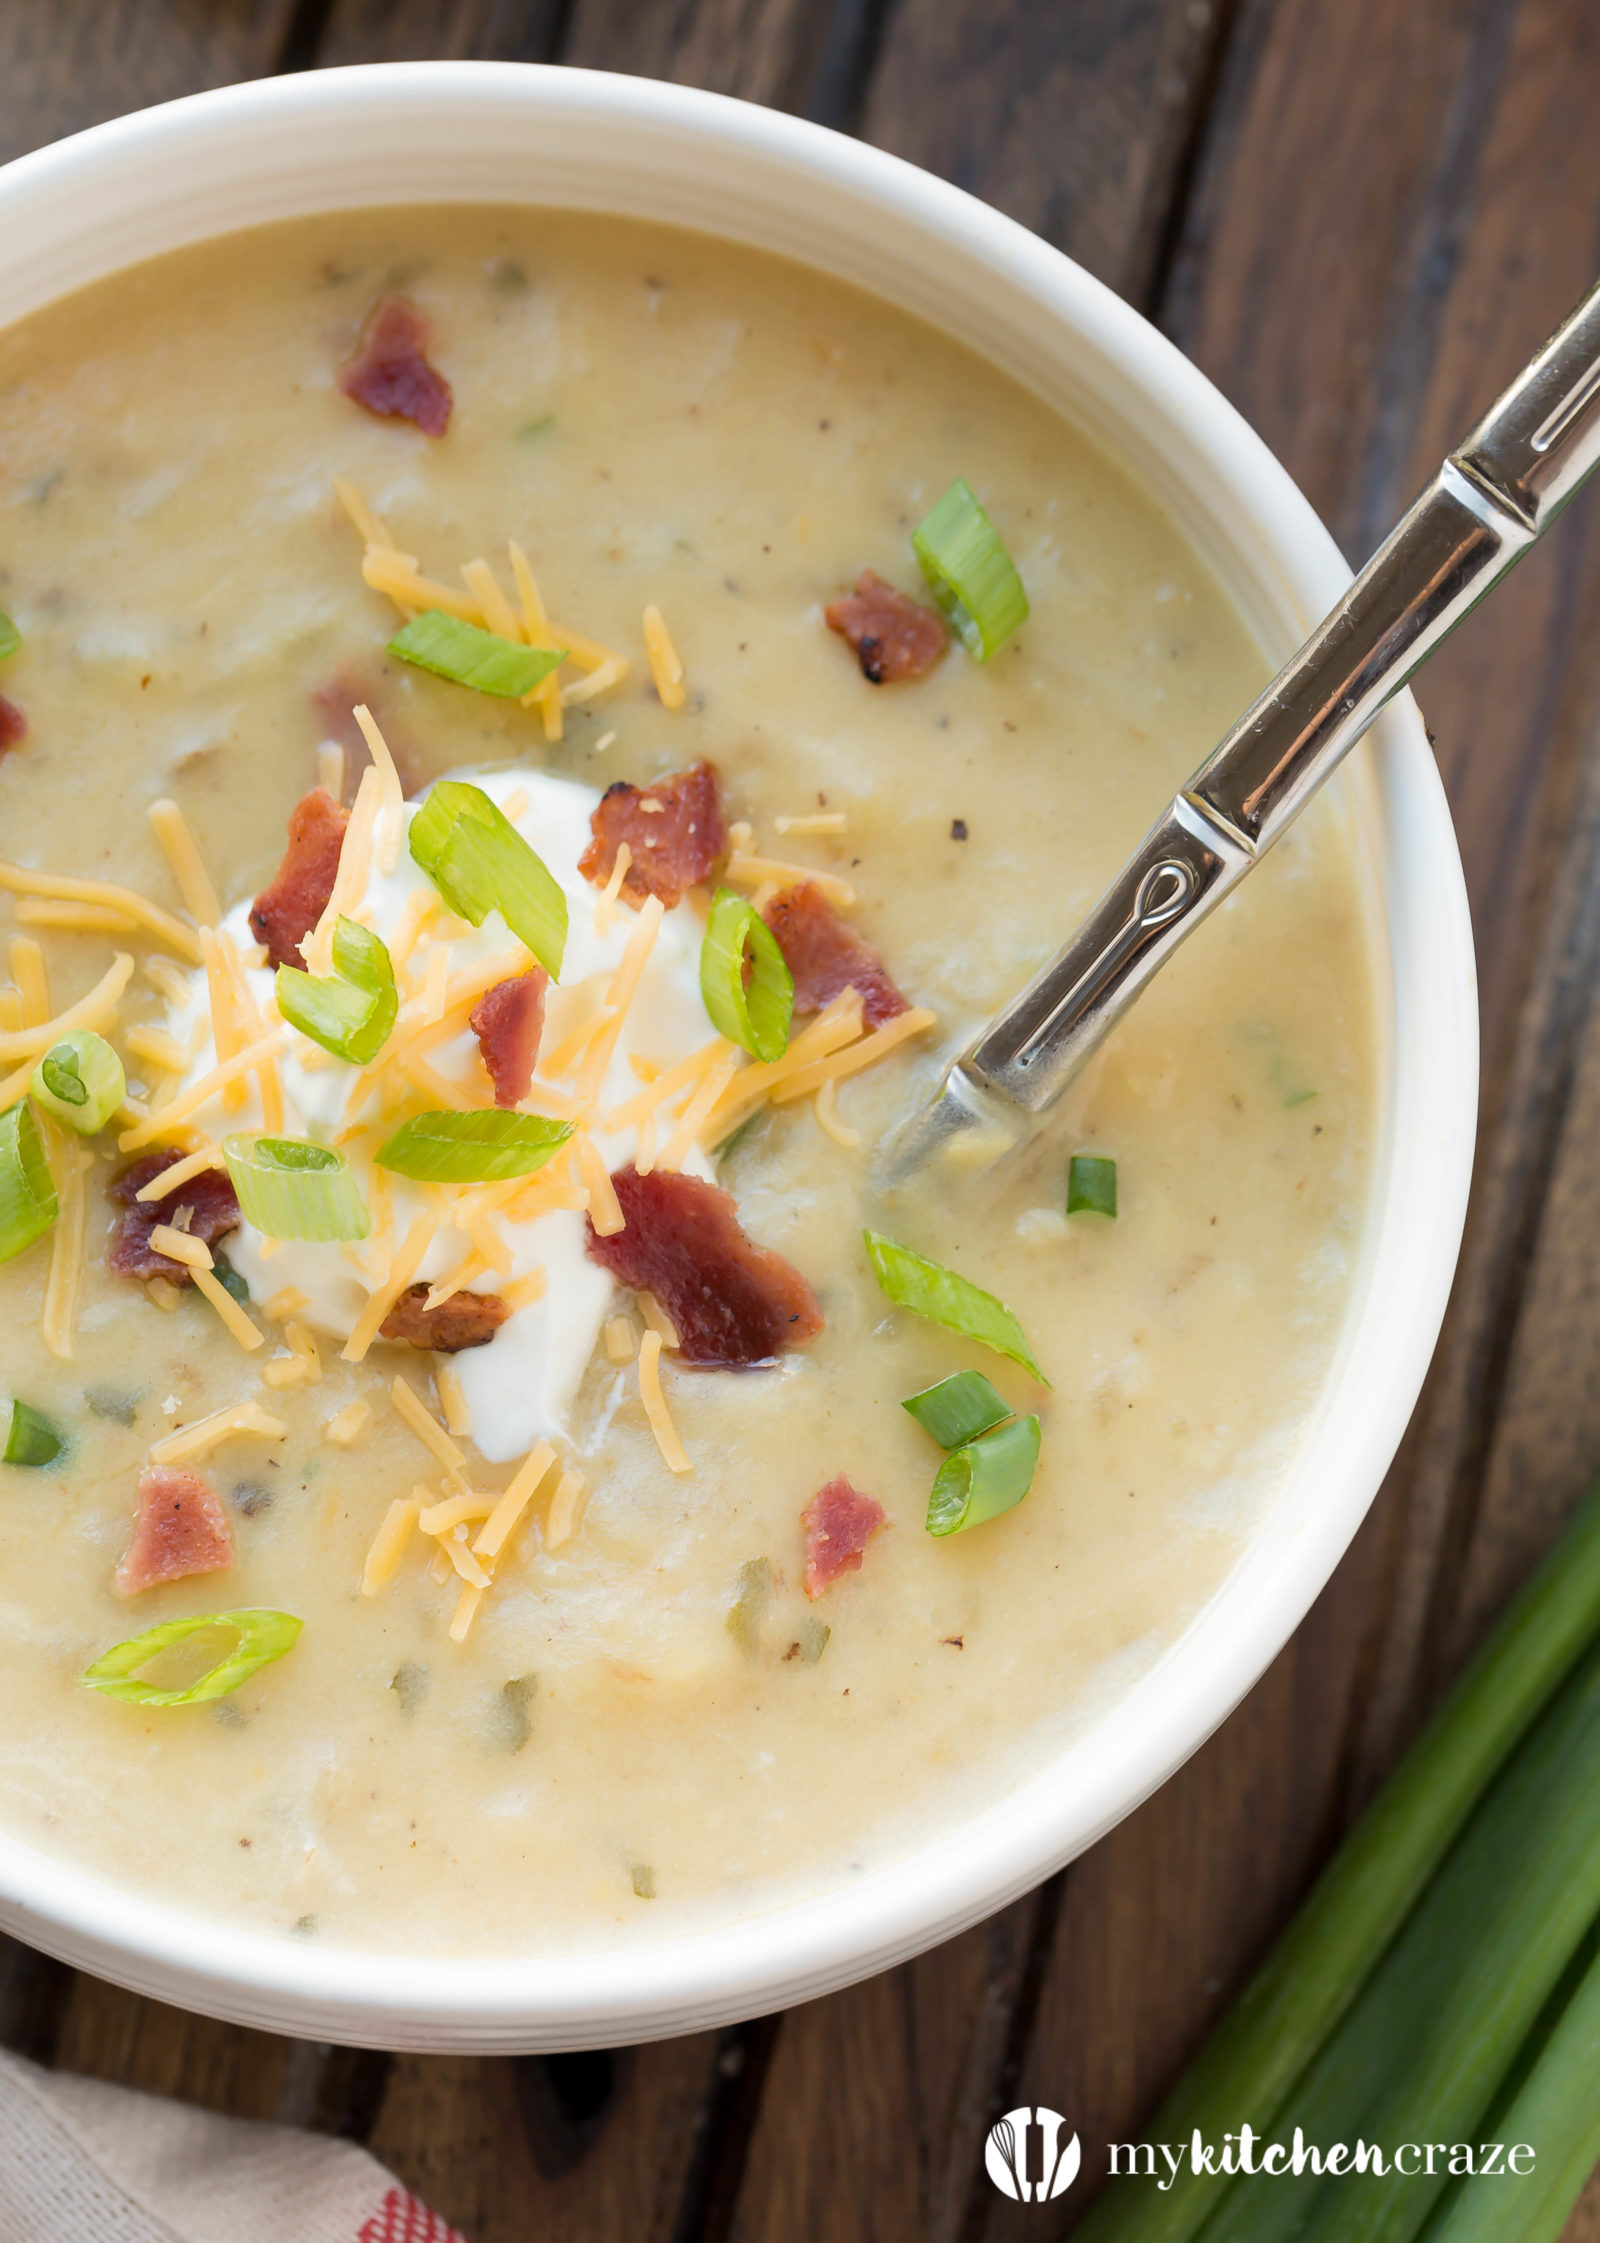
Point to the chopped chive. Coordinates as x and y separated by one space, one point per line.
28 1203
736 1137
30 1438
537 427
1297 1997
1091 1185
10 638
230 1280
944 1297
483 1146
973 577
467 655
752 1593
983 1479
479 863
811 1640
643 1879
745 980
958 1409
350 1012
263 1637
289 1187
80 1081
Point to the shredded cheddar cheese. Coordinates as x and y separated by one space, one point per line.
605 1209
71 1165
410 1406
349 1426
867 1053
826 1108
389 821
466 1612
657 1320
452 1401
655 1405
620 1339
178 1246
248 1337
164 1118
65 889
209 1433
503 1518
388 1545
97 1010
564 1511
814 821
75 918
184 1172
665 667
747 870
383 1297
179 847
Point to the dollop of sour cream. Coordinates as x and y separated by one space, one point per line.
519 1387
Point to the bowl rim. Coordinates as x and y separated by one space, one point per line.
797 1948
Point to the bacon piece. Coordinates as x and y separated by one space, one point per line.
285 912
464 1320
894 636
508 1021
674 830
205 1207
179 1528
825 954
13 725
839 1524
389 373
735 1305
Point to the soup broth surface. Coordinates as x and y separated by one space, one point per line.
640 1729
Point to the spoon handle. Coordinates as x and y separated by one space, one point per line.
1493 496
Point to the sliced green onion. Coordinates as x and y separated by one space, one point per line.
230 1280
290 1188
479 863
481 1147
973 577
30 1438
929 1289
983 1479
80 1081
1091 1185
10 638
1291 2007
263 1637
958 1409
351 1012
747 1607
28 1203
467 656
744 979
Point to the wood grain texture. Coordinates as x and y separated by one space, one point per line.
1076 120
65 64
439 31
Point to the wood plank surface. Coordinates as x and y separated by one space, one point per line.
1357 220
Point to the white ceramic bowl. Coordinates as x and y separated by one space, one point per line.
490 132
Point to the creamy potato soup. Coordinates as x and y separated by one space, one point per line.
529 741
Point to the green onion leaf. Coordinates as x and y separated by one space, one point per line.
1091 1185
973 577
10 638
230 1280
481 1147
479 863
290 1188
351 1012
467 656
263 1637
30 1438
80 1081
943 1297
28 1203
985 1478
958 1409
744 979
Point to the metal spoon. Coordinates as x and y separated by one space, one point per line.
1493 496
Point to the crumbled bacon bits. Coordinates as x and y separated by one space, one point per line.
205 1207
464 1320
285 912
674 830
825 955
508 1021
894 636
733 1304
839 1523
389 373
179 1528
13 725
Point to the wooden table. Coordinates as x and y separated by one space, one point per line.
1357 218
